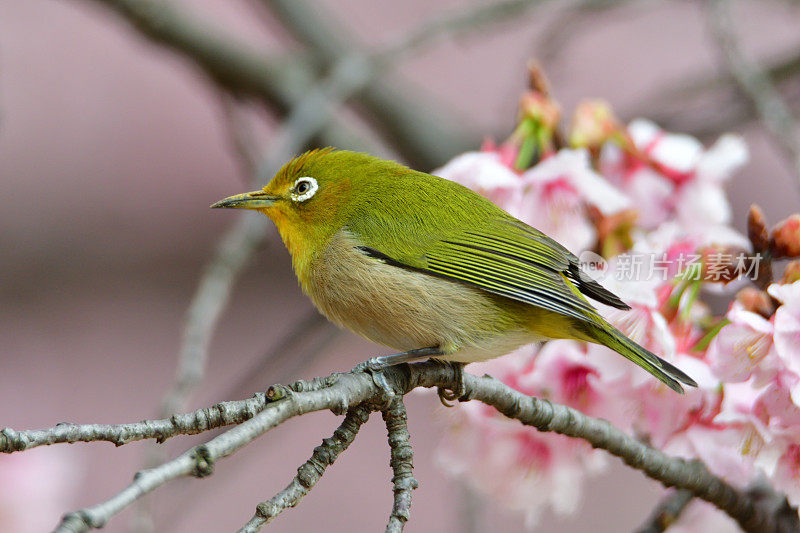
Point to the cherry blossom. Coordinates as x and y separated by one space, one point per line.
660 197
744 347
787 328
483 172
525 469
671 176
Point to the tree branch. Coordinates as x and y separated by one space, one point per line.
210 299
240 135
353 72
233 65
461 21
198 461
402 463
199 421
670 471
311 471
422 136
711 103
281 83
667 512
773 112
761 511
568 22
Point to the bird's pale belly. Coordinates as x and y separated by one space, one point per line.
405 309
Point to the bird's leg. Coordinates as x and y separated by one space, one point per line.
375 365
411 356
458 392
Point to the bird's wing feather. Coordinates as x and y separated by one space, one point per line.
511 259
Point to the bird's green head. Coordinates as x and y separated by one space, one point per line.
314 194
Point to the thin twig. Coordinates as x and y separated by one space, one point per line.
210 299
353 72
773 112
199 421
281 82
423 137
311 471
402 463
460 21
306 339
241 136
232 64
755 512
316 28
667 512
567 23
709 104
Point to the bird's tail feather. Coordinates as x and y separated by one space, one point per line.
668 374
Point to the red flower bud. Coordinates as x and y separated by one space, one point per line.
786 238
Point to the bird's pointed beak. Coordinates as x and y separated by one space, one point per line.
248 200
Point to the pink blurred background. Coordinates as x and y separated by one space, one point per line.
111 150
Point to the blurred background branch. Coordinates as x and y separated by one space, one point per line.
667 511
711 103
755 84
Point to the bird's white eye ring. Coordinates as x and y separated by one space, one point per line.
304 188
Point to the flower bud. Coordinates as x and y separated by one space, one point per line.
540 109
615 231
791 273
757 229
756 301
786 238
592 124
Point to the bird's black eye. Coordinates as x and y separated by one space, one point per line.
302 187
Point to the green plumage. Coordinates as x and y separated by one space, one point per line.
369 212
450 231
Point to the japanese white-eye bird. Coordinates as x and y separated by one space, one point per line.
430 268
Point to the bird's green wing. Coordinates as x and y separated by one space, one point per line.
507 257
